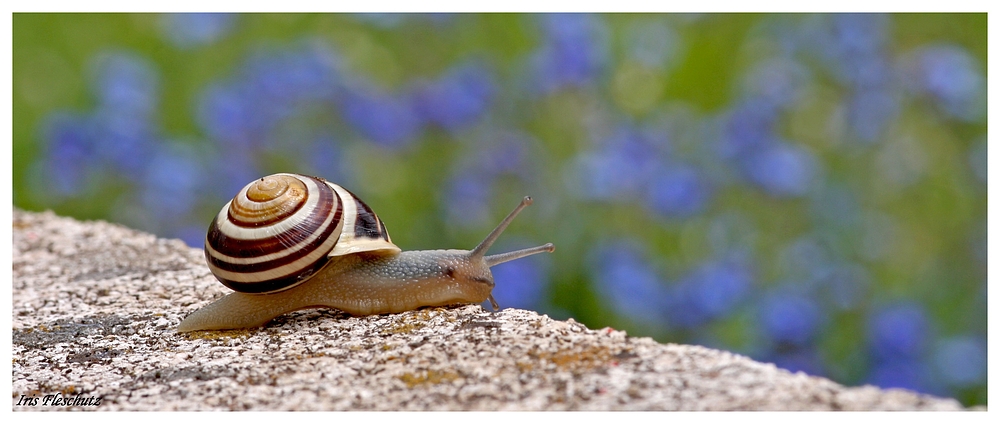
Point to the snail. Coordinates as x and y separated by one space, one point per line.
288 242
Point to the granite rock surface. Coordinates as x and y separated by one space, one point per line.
95 306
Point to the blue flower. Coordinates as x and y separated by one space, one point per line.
961 360
597 176
172 182
458 98
789 317
386 119
268 88
187 30
859 32
898 332
710 291
747 127
903 373
125 141
284 78
618 169
573 52
953 77
71 149
467 198
869 113
855 46
325 158
272 84
720 284
782 169
776 83
854 49
680 311
127 84
118 137
520 283
127 87
627 281
192 235
678 191
315 71
225 114
266 77
870 72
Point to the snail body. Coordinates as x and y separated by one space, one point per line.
272 244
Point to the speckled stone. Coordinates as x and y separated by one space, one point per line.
95 306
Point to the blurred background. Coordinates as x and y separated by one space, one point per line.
807 190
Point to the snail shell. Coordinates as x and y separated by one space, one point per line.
280 229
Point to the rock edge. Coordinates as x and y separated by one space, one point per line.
95 306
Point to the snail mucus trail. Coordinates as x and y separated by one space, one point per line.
360 272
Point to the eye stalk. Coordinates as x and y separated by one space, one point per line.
491 260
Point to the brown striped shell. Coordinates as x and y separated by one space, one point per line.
280 229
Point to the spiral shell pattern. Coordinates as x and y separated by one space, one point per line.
281 229
274 234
